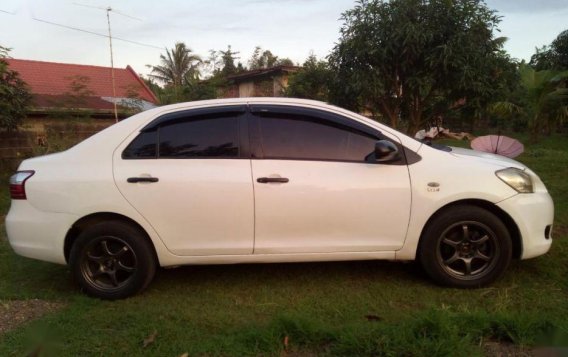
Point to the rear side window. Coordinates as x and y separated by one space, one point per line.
206 138
192 137
143 147
307 138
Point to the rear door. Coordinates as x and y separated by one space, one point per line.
188 173
315 190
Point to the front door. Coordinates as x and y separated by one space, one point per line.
315 189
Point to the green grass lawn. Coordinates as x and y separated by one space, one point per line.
350 308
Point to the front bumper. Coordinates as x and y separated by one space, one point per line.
532 213
37 234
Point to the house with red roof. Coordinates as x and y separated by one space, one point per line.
83 88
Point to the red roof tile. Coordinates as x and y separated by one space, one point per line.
50 78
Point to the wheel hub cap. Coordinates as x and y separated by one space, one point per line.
468 250
109 263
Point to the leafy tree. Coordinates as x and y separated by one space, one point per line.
475 105
154 87
285 62
213 64
14 95
542 59
265 59
178 67
208 89
312 81
553 57
228 61
414 59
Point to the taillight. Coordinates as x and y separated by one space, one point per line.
18 184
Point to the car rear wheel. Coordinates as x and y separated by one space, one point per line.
112 260
465 246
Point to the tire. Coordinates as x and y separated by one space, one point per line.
112 260
465 247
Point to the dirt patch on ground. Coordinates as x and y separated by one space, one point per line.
559 231
503 349
16 312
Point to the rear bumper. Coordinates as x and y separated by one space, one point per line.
37 234
532 213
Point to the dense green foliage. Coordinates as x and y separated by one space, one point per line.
541 100
14 95
553 57
414 60
312 81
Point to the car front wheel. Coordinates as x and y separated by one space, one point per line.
465 246
112 260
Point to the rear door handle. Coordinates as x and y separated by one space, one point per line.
272 179
141 179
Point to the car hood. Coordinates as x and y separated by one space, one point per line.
486 157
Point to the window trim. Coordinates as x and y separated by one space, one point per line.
183 115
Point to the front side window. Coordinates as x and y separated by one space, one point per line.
307 138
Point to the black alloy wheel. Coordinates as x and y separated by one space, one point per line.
468 250
108 263
465 246
112 260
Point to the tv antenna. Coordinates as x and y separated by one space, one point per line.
108 10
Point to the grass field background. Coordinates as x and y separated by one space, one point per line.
347 308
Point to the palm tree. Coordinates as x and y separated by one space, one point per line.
178 67
545 96
544 101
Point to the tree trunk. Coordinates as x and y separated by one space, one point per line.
535 129
415 121
391 113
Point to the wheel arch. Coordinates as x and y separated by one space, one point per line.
512 227
93 218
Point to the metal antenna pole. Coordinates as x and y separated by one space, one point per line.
108 10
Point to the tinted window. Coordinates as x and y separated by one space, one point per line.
294 137
143 147
211 137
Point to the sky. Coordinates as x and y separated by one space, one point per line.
289 28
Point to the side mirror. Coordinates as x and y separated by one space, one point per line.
386 151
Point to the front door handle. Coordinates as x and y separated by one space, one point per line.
141 179
272 179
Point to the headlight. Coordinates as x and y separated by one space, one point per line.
519 180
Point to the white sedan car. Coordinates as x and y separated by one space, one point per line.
257 180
